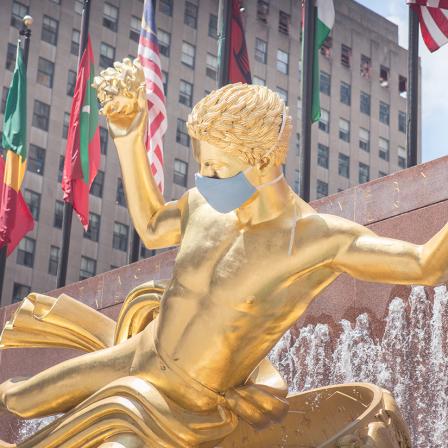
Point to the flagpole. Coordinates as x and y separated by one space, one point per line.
309 31
412 91
68 207
25 31
224 17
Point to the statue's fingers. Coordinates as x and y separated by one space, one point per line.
127 62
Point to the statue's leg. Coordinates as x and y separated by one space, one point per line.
63 386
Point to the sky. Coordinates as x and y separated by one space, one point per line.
434 80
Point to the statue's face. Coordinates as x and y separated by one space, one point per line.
214 162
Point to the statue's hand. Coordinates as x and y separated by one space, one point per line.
121 92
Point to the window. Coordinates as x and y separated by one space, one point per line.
110 16
402 86
402 155
381 174
11 57
297 144
212 66
191 15
283 22
97 185
19 11
166 7
185 93
33 201
25 253
36 160
364 103
58 214
366 66
364 173
325 83
384 76
19 292
182 136
323 153
296 185
79 6
88 268
165 82
282 62
93 231
104 137
5 92
283 94
120 197
322 189
344 130
107 55
346 56
45 72
50 30
146 253
188 54
364 139
134 32
180 172
402 121
74 46
71 82
120 237
384 113
325 49
324 122
261 50
344 165
53 260
213 26
258 81
346 93
262 10
41 115
164 39
61 168
383 149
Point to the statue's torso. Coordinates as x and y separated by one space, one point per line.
235 291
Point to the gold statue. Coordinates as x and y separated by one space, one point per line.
185 364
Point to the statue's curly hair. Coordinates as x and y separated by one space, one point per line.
243 120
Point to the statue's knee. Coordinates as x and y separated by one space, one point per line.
14 400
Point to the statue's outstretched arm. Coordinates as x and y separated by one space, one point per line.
121 91
364 255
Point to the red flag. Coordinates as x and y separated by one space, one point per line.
83 154
239 69
23 222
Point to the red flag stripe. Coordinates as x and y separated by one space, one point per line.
433 25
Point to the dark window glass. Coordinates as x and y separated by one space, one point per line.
107 55
97 185
71 82
11 54
19 11
186 93
165 82
134 32
402 85
74 46
383 149
344 130
182 136
261 50
213 26
146 253
104 137
188 54
41 115
344 165
323 153
346 56
346 93
93 231
25 252
364 139
65 125
166 7
211 68
324 122
401 162
61 168
283 22
402 121
180 172
325 83
5 92
50 30
322 189
262 10
282 62
36 160
45 72
325 49
366 66
364 173
364 103
120 237
191 15
384 113
283 94
110 17
88 268
53 260
33 201
120 198
381 174
19 292
384 76
58 214
164 39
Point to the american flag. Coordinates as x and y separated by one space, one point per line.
433 18
149 56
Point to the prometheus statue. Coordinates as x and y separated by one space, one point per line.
185 364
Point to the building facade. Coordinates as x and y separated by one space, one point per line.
361 134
